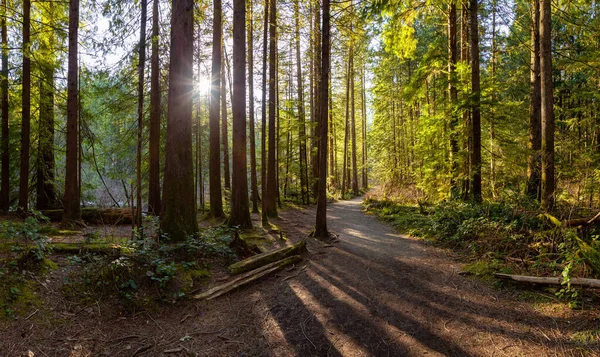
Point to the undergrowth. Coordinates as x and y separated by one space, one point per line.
500 237
149 272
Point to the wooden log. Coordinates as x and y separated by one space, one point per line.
583 221
95 215
554 280
259 260
246 278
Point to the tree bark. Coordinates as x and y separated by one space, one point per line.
154 204
26 110
45 193
301 113
72 212
345 178
467 142
535 128
5 185
315 145
321 217
365 178
216 200
240 210
269 200
353 128
263 140
476 117
141 67
224 126
547 106
253 175
453 97
179 220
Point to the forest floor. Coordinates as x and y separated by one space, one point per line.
373 292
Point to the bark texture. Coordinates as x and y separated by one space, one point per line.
179 219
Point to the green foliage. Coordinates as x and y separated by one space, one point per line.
150 272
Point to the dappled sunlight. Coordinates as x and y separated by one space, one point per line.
270 328
338 339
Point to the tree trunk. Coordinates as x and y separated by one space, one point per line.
224 126
5 185
547 106
26 110
154 204
72 212
240 210
216 200
365 179
353 128
535 127
269 200
141 67
345 178
321 217
493 105
476 117
453 96
45 193
179 220
263 140
253 176
315 146
467 143
301 113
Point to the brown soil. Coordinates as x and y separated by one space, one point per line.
373 293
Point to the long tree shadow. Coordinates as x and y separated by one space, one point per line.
378 293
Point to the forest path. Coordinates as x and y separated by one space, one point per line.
380 293
373 293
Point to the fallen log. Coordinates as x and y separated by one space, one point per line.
259 260
246 278
95 215
582 221
555 280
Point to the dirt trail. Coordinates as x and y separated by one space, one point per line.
373 293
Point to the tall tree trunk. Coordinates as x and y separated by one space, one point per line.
365 179
179 220
277 131
315 146
216 199
492 106
269 199
72 212
224 126
253 175
321 217
534 163
453 96
154 204
45 193
5 185
240 210
467 140
263 126
141 67
547 106
353 128
301 113
476 117
26 110
199 186
345 178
